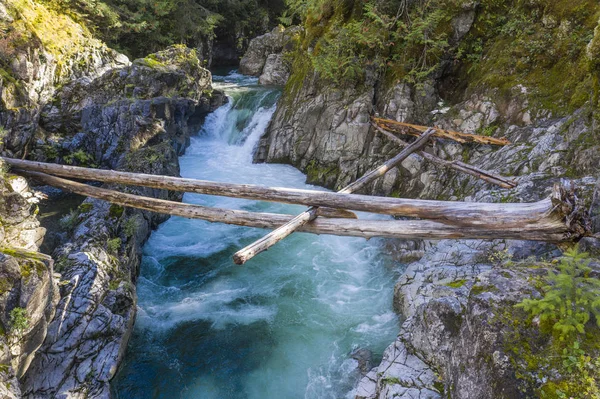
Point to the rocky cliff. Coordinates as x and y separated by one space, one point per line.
458 299
67 98
137 118
28 287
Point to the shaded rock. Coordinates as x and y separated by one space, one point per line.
275 71
264 56
364 357
114 121
28 291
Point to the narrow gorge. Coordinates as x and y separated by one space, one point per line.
98 300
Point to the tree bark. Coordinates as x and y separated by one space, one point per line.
568 227
482 174
266 242
413 130
450 212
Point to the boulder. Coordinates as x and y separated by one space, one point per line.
275 71
264 55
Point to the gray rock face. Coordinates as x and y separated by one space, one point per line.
264 56
28 290
121 120
451 344
455 299
275 71
36 71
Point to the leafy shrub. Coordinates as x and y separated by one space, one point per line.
114 245
80 157
571 299
19 320
130 226
570 303
70 220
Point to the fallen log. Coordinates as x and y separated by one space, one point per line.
452 212
558 231
414 130
482 174
266 242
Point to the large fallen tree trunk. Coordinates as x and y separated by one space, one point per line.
570 227
247 253
482 174
504 215
414 130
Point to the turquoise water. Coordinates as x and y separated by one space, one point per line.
283 325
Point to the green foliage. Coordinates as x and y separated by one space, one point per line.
351 38
541 45
85 207
294 13
114 245
19 320
130 226
571 299
80 157
498 256
581 379
115 211
70 220
140 27
3 134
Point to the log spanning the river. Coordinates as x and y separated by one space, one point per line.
482 174
414 130
496 215
566 224
266 242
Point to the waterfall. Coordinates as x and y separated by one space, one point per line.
283 325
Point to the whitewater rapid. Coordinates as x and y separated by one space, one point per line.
283 325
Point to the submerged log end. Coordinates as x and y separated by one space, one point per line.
572 210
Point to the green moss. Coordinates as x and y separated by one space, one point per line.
5 285
19 253
28 267
114 245
456 284
301 68
85 207
115 211
141 159
8 77
114 284
480 289
538 45
59 34
391 381
440 387
321 174
151 62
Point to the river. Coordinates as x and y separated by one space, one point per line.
283 325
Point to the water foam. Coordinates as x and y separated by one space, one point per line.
281 326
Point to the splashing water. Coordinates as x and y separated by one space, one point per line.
283 325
